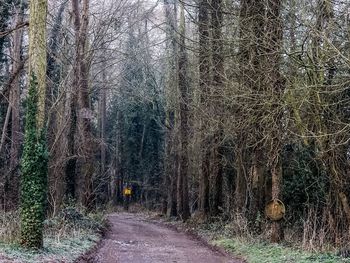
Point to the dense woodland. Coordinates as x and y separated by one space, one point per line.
207 108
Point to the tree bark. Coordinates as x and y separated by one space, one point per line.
275 84
105 189
241 180
15 104
204 85
84 182
174 173
257 181
37 53
251 76
4 128
71 165
218 82
172 159
34 168
182 183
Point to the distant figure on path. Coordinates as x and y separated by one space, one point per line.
127 196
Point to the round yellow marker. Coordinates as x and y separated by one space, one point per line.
275 210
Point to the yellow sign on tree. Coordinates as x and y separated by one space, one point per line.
275 210
127 191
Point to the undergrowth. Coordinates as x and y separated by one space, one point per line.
264 252
66 236
234 236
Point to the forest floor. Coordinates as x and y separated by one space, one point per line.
135 238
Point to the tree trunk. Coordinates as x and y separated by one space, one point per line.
169 165
277 233
241 180
257 186
274 35
71 166
5 126
182 183
56 142
15 104
84 182
119 157
70 169
172 140
251 76
174 175
218 82
204 85
105 190
35 156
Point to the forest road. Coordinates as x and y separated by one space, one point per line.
133 239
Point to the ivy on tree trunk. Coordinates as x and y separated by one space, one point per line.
34 175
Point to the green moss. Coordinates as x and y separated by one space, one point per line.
33 176
259 252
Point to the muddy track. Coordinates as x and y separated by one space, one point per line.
133 239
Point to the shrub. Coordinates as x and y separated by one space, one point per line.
9 227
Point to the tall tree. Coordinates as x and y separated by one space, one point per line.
85 114
56 67
275 86
182 182
5 106
35 157
171 157
71 165
102 104
83 180
204 85
250 79
4 21
15 104
218 82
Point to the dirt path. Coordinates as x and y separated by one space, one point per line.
135 240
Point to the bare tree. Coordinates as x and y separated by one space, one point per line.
183 208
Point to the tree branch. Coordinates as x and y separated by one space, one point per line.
6 33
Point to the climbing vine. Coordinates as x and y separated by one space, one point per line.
34 175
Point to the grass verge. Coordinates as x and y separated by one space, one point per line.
236 239
67 236
263 252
